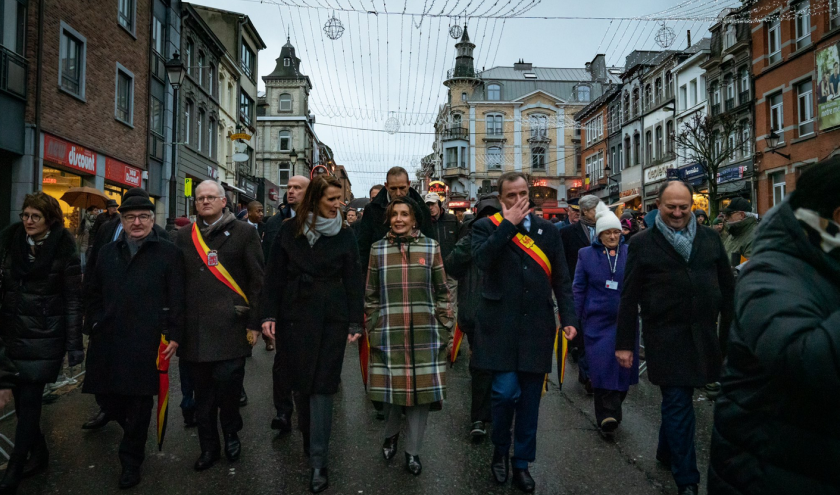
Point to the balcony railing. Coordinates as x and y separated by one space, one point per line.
460 72
455 133
716 109
744 97
729 104
12 73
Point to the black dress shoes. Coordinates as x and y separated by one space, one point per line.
130 477
189 417
389 448
232 447
243 399
688 490
206 461
14 470
522 479
412 464
39 458
98 421
282 422
319 481
500 466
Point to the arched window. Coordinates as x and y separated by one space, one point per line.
648 96
669 84
637 149
636 101
583 92
658 88
494 158
538 158
494 92
626 105
669 136
649 147
285 102
729 37
456 121
202 62
285 141
659 142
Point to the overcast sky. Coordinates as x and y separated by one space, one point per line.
386 63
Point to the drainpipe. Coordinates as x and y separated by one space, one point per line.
36 155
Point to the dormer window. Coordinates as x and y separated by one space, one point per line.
287 62
494 92
583 93
530 75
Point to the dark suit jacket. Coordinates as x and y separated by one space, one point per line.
515 324
681 303
272 228
574 239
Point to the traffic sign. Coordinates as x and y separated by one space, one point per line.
188 187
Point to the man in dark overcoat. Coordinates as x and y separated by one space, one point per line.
136 294
108 232
516 327
679 273
223 262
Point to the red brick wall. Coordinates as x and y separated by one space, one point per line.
92 123
783 76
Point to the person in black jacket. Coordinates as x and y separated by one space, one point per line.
374 225
281 388
516 325
445 226
679 274
775 430
314 299
221 325
40 320
459 264
136 297
110 232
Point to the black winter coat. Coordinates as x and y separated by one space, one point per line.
313 293
680 306
775 429
41 315
460 266
217 317
272 228
375 225
574 239
132 301
516 327
445 231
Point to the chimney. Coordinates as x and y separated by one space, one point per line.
689 38
522 65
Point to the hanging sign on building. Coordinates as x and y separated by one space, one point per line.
122 173
67 154
657 173
239 135
440 188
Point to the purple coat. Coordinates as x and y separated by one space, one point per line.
597 308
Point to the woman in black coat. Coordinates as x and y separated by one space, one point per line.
775 429
313 298
41 320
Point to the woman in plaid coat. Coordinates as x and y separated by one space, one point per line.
409 314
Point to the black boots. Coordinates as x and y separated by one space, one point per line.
39 458
14 473
522 479
412 464
319 480
232 447
389 448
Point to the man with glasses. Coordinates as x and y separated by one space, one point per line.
224 275
135 296
110 232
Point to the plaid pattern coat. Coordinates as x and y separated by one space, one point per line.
409 314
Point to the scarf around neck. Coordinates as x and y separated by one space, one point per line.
322 226
829 232
681 240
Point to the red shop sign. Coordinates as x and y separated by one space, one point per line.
69 155
123 173
459 204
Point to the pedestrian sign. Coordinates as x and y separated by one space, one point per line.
188 187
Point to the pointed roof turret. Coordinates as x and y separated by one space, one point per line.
465 37
288 65
464 61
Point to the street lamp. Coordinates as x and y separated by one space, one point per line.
175 71
772 142
293 159
609 176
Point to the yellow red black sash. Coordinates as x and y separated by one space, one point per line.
528 245
218 270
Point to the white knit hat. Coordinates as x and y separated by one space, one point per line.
605 219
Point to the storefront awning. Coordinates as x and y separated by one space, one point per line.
233 188
625 199
553 211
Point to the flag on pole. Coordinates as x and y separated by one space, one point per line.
559 340
163 391
457 337
364 357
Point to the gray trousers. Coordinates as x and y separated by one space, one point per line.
415 416
320 427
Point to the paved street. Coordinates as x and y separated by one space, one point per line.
572 458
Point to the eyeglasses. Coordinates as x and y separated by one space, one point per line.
34 217
206 199
144 217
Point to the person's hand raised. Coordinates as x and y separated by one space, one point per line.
518 212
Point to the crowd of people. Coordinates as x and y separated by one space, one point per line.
398 277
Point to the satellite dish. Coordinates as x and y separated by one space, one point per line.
240 157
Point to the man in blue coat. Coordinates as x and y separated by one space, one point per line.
524 265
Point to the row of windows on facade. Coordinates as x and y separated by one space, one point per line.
537 124
494 92
493 158
801 13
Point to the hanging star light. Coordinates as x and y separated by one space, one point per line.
333 28
665 37
392 125
456 31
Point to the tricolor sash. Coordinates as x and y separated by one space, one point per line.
528 245
218 270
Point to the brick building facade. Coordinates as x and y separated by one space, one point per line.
795 49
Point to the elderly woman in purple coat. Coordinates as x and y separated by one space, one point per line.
597 289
